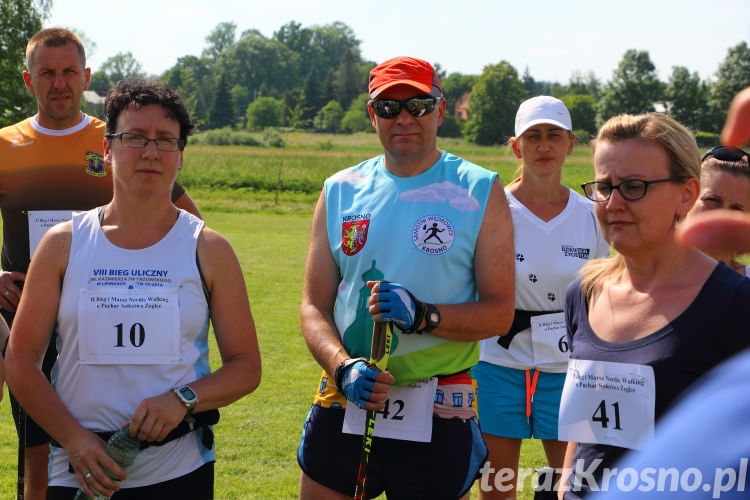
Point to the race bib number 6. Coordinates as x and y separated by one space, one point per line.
607 403
549 338
139 327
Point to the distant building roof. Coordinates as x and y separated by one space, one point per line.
93 97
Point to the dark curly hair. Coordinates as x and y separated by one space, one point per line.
138 93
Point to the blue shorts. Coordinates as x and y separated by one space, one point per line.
502 402
444 468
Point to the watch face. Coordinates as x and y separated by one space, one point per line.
187 393
434 317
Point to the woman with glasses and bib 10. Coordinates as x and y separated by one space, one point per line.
646 323
520 374
130 288
725 183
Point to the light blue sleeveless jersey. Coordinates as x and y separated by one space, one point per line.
418 231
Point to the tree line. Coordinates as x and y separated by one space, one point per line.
313 78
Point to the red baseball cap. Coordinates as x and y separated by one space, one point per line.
404 71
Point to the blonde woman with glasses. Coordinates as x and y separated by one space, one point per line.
648 322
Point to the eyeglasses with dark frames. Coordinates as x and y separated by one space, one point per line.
137 141
726 153
630 189
416 106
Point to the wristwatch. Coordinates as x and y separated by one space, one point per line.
187 395
432 318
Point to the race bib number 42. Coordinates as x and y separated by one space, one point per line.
139 327
607 403
407 414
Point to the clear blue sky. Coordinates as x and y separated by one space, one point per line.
551 38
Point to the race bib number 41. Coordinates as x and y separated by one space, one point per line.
607 403
138 327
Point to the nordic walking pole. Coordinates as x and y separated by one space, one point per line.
382 335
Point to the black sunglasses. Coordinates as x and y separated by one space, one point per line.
726 153
416 106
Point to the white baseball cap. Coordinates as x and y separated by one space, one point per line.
542 109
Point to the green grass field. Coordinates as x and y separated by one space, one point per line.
268 223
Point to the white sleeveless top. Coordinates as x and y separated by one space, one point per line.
132 324
549 255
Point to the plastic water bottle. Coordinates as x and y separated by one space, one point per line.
123 449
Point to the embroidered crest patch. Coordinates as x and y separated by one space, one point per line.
95 164
354 235
433 234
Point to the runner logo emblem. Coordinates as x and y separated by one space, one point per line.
433 234
95 164
354 235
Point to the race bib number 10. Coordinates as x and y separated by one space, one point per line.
607 403
138 327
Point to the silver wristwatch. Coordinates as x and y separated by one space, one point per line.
187 395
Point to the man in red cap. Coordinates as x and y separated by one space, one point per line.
420 239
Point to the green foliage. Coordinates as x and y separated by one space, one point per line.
121 66
222 111
580 84
264 112
224 137
582 136
313 89
325 145
272 138
193 79
219 40
732 76
356 118
451 127
707 139
454 85
687 97
293 110
240 101
329 118
494 100
582 111
19 20
100 81
254 61
348 82
634 87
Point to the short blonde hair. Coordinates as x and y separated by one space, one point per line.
684 162
53 37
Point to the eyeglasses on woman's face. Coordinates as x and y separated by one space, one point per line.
630 189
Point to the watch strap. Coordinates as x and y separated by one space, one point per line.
430 310
189 404
338 375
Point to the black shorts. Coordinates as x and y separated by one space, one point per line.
444 468
196 485
29 432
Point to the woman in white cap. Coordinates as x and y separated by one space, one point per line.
521 374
